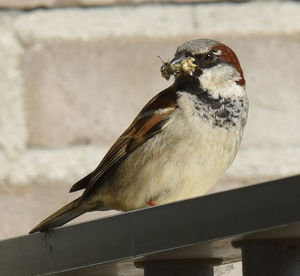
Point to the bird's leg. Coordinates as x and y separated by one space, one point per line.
151 202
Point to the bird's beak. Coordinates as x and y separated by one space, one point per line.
178 58
179 65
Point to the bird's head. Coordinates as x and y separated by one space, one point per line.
212 63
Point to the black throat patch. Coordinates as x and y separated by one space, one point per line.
222 112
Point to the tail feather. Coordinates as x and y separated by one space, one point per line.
60 217
81 184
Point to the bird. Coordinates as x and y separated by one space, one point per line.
179 145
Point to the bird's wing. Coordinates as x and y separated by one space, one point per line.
148 123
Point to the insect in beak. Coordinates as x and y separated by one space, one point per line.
166 69
178 66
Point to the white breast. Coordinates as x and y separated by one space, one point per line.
185 160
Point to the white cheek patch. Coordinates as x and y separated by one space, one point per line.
221 80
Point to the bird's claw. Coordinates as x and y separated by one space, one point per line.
151 203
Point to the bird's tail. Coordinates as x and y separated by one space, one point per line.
60 217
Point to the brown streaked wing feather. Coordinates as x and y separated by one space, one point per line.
148 123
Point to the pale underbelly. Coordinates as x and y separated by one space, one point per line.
171 169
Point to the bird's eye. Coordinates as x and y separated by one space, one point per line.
208 58
187 54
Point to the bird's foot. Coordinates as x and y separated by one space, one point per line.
151 203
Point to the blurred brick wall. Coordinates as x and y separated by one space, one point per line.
74 74
72 79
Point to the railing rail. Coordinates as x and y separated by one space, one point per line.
199 229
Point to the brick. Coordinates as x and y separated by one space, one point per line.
89 92
273 89
81 93
159 21
48 167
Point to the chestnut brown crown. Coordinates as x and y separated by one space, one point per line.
208 53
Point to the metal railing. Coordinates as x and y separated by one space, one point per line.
183 238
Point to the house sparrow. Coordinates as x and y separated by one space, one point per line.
179 145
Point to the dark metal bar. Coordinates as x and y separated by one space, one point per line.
270 257
197 228
179 267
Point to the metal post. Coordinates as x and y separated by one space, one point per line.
179 267
270 257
